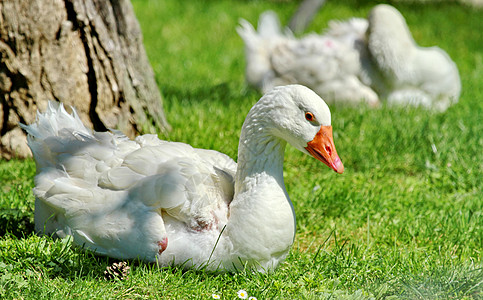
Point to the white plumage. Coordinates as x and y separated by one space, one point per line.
169 202
357 60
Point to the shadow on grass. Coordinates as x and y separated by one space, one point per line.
444 283
16 222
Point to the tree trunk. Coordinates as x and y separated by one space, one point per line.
85 53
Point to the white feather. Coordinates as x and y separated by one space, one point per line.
353 61
169 202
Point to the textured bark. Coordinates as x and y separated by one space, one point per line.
85 53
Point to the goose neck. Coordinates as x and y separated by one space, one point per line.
261 227
260 155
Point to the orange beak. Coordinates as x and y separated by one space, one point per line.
322 148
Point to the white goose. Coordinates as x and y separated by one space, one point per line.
169 203
356 60
326 64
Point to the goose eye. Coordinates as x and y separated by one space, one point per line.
309 116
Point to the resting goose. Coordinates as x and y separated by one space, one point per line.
325 64
408 73
170 203
357 60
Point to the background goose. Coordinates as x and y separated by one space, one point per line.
325 64
356 60
174 204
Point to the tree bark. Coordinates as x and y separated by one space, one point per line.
85 53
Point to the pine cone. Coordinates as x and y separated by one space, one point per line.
118 270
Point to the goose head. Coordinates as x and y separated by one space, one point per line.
297 115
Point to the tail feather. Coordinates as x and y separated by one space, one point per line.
259 44
269 25
54 120
248 34
52 131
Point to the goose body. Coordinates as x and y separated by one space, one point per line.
170 203
357 60
328 65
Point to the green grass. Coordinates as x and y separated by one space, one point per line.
403 222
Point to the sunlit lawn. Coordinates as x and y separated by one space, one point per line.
404 220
